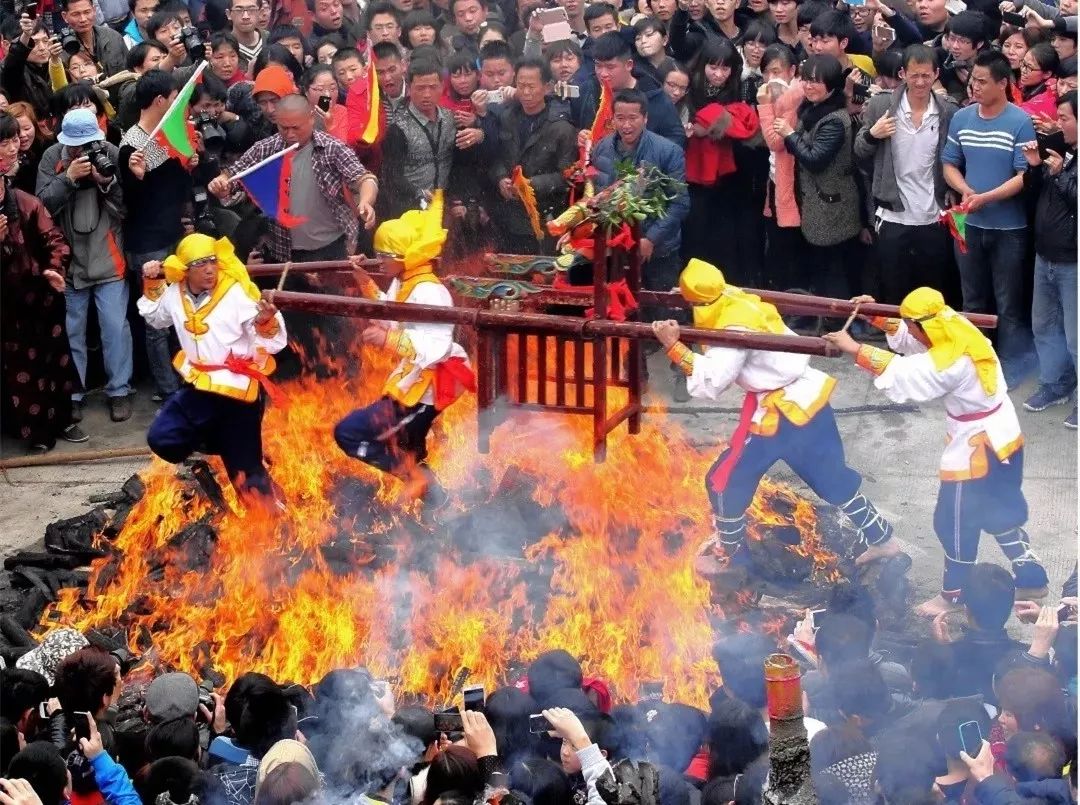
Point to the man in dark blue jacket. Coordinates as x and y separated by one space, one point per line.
613 62
633 142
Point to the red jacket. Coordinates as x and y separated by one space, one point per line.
710 157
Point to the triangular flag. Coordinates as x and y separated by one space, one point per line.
601 126
268 186
373 128
525 192
955 218
176 133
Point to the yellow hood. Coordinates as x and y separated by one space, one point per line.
417 237
199 247
718 306
951 335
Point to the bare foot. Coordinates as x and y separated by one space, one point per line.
883 550
935 606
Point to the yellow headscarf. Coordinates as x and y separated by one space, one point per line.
951 335
718 305
417 237
199 247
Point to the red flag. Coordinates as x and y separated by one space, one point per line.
602 125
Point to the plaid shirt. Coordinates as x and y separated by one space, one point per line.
335 167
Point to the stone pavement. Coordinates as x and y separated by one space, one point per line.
896 449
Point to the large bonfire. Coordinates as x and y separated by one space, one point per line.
619 588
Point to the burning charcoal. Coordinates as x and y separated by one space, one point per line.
33 605
45 561
107 640
204 477
35 579
75 533
194 544
134 488
116 524
344 555
14 632
11 654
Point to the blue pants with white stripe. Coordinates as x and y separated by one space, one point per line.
994 503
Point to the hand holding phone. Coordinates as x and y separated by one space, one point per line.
538 725
971 738
1012 18
473 697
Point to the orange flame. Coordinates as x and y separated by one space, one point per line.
623 596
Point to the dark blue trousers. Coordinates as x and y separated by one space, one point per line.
191 420
384 433
994 503
814 451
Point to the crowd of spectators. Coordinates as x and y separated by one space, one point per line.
970 716
819 143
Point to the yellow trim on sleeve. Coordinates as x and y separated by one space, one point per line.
872 359
776 404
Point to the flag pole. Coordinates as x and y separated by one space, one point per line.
266 161
195 77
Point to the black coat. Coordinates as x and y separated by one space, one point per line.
1055 213
548 151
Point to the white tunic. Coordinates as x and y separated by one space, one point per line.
914 378
431 342
784 382
228 316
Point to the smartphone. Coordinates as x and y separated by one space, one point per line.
538 725
885 33
448 721
43 710
82 724
802 651
856 2
473 696
1064 612
324 102
955 6
1012 18
651 691
971 738
565 91
30 10
494 96
860 94
557 32
550 16
1052 142
820 614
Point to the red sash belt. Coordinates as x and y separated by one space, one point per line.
247 368
452 376
719 477
974 417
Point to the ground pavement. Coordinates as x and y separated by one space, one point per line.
895 448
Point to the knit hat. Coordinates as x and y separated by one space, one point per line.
171 696
79 127
276 80
56 646
285 751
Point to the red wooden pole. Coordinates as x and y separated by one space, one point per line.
583 329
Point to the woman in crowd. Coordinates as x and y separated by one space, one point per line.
419 28
720 119
828 195
34 138
676 83
1038 86
650 42
36 369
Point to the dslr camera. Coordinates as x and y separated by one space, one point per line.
193 43
100 159
213 135
69 41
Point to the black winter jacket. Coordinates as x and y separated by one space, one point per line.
1055 213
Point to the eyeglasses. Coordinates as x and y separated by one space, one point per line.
1025 67
245 11
202 261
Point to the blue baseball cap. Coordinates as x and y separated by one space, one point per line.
80 127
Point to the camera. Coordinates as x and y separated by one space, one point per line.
193 43
103 164
69 41
213 135
202 217
324 102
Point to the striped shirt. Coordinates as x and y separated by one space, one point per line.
988 152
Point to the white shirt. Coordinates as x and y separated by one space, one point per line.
914 154
230 323
784 382
431 342
914 378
